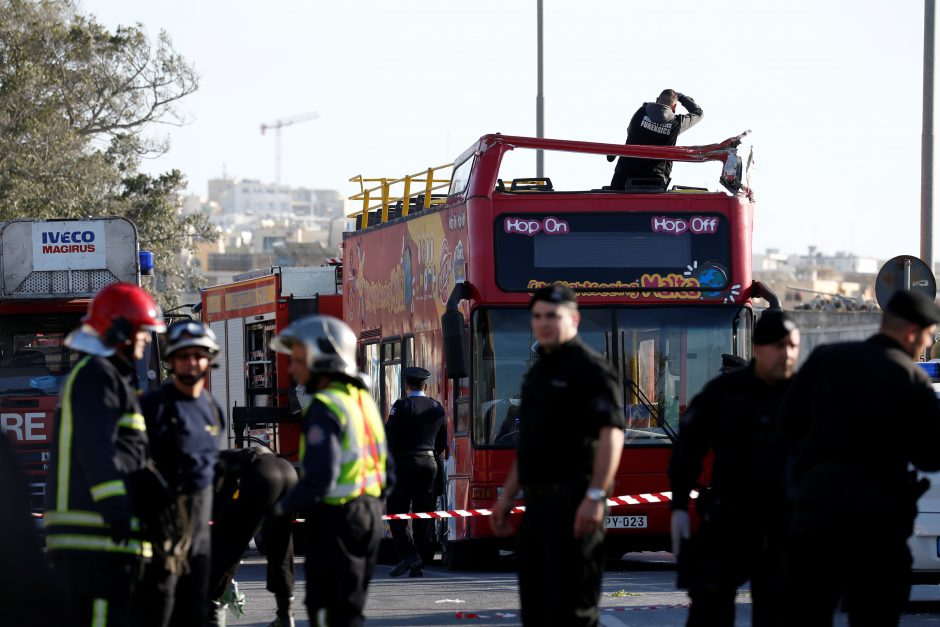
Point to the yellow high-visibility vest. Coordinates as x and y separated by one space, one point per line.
364 448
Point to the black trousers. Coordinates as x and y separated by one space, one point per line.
413 492
723 558
630 168
342 547
559 576
871 572
98 586
165 599
240 512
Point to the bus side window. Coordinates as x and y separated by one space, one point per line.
390 378
462 415
407 351
370 366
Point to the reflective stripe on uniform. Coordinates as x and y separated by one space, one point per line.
107 490
65 438
349 490
99 613
78 542
133 421
77 518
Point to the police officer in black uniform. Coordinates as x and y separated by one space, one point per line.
730 363
571 430
858 414
417 436
655 124
186 428
744 513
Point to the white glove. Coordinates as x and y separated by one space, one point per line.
681 529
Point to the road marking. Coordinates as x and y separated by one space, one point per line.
608 620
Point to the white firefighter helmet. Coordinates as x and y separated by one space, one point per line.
329 342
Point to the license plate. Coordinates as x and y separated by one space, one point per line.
626 522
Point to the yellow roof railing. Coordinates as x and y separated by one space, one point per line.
431 179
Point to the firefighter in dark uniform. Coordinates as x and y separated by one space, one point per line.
94 499
344 453
857 416
655 124
417 437
249 481
744 513
571 430
186 428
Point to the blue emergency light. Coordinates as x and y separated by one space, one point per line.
932 368
146 262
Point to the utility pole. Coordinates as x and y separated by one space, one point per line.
926 144
277 125
540 100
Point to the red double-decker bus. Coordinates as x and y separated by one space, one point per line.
442 280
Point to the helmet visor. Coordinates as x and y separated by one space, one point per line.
181 329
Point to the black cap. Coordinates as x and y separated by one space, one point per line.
773 326
915 307
732 362
557 293
418 375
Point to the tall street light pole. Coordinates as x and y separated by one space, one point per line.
540 101
926 144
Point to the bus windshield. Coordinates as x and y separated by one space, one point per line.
663 357
33 357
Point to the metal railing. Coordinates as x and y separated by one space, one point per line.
383 190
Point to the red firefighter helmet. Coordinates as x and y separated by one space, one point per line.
114 317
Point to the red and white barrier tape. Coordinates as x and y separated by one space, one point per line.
614 501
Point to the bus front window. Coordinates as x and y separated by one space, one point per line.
663 357
667 355
503 350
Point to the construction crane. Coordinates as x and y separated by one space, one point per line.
277 125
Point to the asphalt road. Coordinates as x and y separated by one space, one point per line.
638 590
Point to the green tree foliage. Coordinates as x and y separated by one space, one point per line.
76 105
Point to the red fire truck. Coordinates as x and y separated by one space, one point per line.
443 280
50 270
252 382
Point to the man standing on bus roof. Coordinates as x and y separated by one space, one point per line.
655 124
417 437
570 440
744 513
858 415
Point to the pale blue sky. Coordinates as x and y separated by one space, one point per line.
831 90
